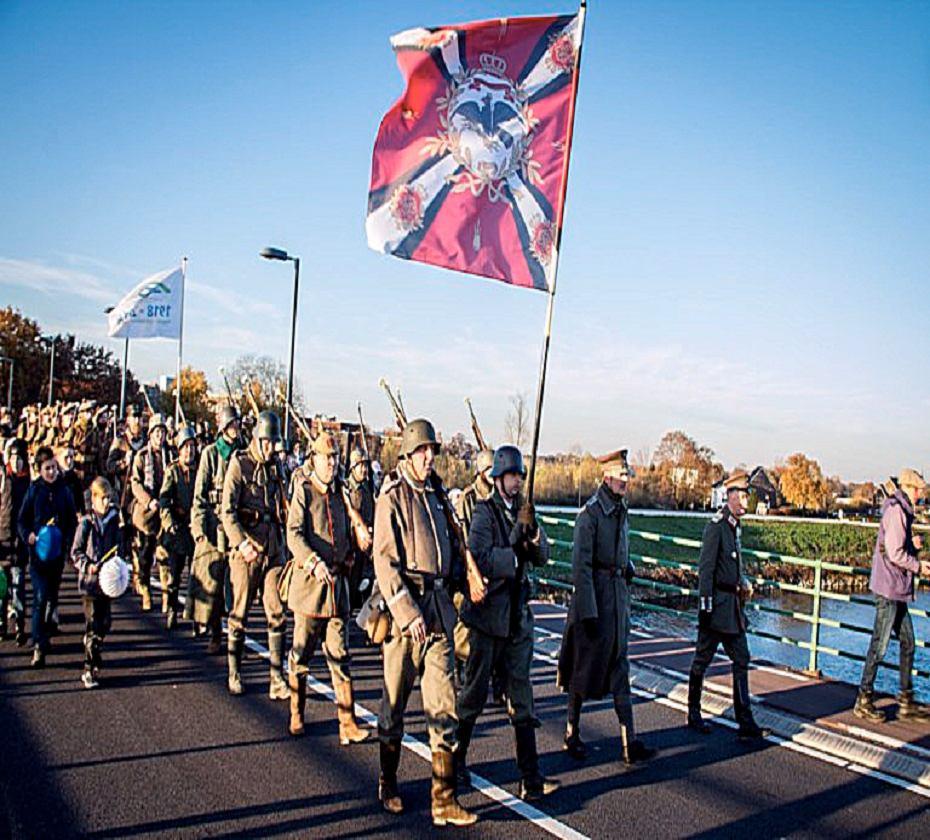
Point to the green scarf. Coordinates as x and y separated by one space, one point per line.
225 448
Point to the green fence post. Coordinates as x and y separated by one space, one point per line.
815 614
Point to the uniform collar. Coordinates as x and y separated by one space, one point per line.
608 501
419 486
728 517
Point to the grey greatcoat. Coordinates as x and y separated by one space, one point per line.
593 659
318 530
720 573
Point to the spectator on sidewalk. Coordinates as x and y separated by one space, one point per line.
894 564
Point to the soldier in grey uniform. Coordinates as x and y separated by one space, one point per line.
174 502
417 559
210 567
147 474
594 658
721 618
253 512
361 495
505 540
319 536
481 488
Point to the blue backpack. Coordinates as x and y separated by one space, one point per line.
48 543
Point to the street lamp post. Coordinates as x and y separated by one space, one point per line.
9 387
52 340
122 385
278 254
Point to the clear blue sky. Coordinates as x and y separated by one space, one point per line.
747 233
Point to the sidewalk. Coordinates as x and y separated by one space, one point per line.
810 712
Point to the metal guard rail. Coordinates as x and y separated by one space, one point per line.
814 619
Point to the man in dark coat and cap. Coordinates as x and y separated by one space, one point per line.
594 659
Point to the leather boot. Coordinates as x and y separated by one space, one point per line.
910 709
695 689
445 807
216 639
349 730
387 780
136 576
277 687
298 686
533 785
163 581
748 730
573 744
234 647
865 707
462 742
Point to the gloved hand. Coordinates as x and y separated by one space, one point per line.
628 574
527 518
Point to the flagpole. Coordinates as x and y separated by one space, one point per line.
122 384
177 385
547 335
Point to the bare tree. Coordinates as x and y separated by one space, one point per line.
269 380
517 421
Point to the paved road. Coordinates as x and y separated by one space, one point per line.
163 750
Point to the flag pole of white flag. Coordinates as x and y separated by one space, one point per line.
153 309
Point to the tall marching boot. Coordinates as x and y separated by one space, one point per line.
533 785
573 744
163 582
695 689
387 779
277 687
234 648
298 686
748 730
445 808
462 741
349 730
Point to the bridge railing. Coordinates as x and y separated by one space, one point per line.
815 619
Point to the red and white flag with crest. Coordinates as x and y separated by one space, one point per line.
469 165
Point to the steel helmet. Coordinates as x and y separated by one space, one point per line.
356 457
417 433
228 414
113 577
185 433
507 459
268 427
48 543
325 443
155 421
485 460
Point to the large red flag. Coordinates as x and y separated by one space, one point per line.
468 167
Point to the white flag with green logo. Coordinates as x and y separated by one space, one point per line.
152 309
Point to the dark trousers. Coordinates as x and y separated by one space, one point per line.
890 616
45 585
175 564
144 552
97 619
737 649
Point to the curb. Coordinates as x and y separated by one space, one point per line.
887 760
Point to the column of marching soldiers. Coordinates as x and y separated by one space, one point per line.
443 588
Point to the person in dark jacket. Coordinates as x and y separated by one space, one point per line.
895 561
506 540
48 502
65 458
98 535
721 617
594 661
14 555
